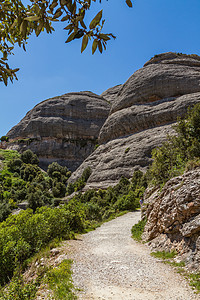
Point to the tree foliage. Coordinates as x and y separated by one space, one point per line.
173 156
18 22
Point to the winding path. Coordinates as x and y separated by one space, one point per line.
109 264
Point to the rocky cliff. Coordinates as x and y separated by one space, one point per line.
173 218
142 113
63 129
129 120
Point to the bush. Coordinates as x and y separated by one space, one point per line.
26 233
138 229
28 157
4 138
127 202
170 159
59 190
57 171
60 281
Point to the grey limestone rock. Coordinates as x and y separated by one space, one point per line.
173 217
148 115
167 75
121 157
63 129
111 93
143 110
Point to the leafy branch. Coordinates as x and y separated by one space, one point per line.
18 22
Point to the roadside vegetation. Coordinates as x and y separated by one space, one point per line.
168 258
49 216
180 153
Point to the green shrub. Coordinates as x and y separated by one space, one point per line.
28 157
138 229
127 202
26 233
18 289
170 159
93 211
58 190
127 150
59 280
57 171
80 182
4 138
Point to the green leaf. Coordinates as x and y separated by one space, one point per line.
129 3
32 18
63 2
53 5
84 43
100 46
96 20
5 79
71 37
83 24
65 18
94 46
57 14
23 28
105 37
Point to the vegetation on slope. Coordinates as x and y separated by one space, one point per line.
24 234
27 232
180 152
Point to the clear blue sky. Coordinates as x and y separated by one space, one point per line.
50 67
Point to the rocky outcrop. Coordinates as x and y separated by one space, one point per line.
173 218
143 110
166 75
111 93
63 129
120 157
150 115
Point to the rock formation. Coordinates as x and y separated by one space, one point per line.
173 218
129 120
63 129
143 110
111 93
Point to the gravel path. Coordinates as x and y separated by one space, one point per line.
109 264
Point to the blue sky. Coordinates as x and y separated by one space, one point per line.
50 67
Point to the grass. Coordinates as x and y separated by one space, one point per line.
193 278
138 229
60 282
195 281
164 254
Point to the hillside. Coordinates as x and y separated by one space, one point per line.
127 121
110 176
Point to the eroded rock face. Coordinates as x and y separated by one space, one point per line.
142 108
173 217
166 75
121 157
63 129
111 93
148 115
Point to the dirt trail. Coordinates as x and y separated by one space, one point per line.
109 264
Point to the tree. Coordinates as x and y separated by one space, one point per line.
18 22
